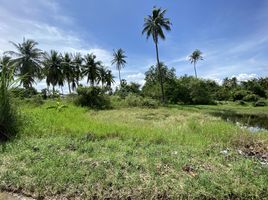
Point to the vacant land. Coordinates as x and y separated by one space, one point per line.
134 153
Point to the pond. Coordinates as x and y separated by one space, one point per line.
253 122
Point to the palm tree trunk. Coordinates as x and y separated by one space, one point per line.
160 73
69 87
195 70
53 89
119 77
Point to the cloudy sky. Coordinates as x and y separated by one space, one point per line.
233 35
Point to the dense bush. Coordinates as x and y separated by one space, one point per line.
251 97
23 93
239 95
8 116
133 100
36 100
138 101
199 93
92 97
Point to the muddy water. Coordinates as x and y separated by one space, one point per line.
253 122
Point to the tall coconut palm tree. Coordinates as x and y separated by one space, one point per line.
53 69
119 59
153 26
102 75
194 57
91 68
68 69
109 78
27 61
77 63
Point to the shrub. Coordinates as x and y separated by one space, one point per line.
92 97
45 93
239 95
251 97
150 103
23 93
36 100
199 93
138 101
8 115
241 102
133 100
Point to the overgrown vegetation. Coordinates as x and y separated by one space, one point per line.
100 143
92 97
166 153
8 116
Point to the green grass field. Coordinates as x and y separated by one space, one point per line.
133 153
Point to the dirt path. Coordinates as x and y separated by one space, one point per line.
8 196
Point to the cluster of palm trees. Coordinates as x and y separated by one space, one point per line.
57 68
31 63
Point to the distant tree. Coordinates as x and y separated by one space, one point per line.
194 57
68 69
91 68
27 61
109 78
152 84
53 69
77 63
153 26
230 83
119 59
102 75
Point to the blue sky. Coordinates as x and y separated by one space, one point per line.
232 34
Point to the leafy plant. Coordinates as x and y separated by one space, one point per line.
92 97
8 116
58 106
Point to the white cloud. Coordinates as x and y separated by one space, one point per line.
137 78
245 77
24 21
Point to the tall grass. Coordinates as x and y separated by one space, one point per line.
8 115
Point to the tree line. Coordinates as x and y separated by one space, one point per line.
32 63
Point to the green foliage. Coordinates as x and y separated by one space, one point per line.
119 60
92 97
150 103
23 92
194 57
187 90
133 100
9 121
36 100
58 106
128 149
27 61
151 87
239 95
251 97
199 92
126 89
